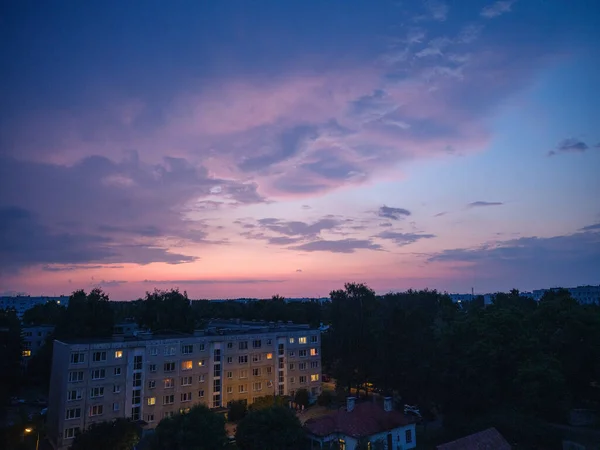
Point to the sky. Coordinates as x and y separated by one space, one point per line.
246 149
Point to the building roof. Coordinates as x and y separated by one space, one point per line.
489 439
366 419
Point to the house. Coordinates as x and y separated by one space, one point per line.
367 422
489 439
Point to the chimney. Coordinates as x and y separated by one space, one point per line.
387 404
350 401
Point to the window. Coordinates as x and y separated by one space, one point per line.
186 381
137 379
269 341
74 395
292 354
230 345
187 349
201 393
98 374
184 410
26 353
243 373
291 340
229 390
152 367
116 406
314 377
217 370
135 413
314 339
96 410
216 385
153 351
169 399
118 354
408 436
151 401
201 378
99 356
169 350
269 370
75 376
202 363
229 359
256 343
302 379
169 383
186 397
117 371
242 388
243 345
302 340
302 366
201 347
150 418
136 397
169 367
292 366
314 352
302 353
256 357
314 364
73 413
269 355
116 388
243 359
70 433
168 414
77 358
186 365
292 380
256 372
230 374
216 401
97 392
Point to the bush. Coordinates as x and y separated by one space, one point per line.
237 410
302 397
326 398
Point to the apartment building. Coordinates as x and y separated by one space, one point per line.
22 303
34 337
150 376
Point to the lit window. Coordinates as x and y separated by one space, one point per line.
314 351
186 365
202 363
314 377
119 354
151 401
269 355
291 340
302 340
26 352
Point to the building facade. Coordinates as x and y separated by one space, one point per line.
22 303
149 377
34 337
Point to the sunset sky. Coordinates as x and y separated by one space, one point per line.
243 149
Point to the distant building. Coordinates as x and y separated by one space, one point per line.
366 422
585 295
33 338
22 303
148 377
486 439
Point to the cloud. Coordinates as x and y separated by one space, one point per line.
529 261
340 246
285 232
393 213
111 283
212 281
440 214
402 239
438 10
593 227
298 270
570 145
480 204
497 9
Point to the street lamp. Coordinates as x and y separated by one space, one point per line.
29 430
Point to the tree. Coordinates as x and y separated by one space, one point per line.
237 410
268 401
326 398
167 310
198 429
49 313
275 428
10 356
119 434
302 397
87 316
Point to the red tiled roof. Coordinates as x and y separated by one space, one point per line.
364 420
489 439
